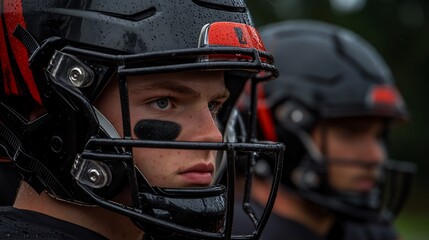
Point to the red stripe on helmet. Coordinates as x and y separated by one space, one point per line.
10 86
13 16
263 112
265 118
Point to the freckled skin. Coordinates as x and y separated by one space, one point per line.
190 111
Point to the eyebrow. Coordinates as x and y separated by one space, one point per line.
175 87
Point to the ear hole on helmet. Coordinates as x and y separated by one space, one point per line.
305 176
294 113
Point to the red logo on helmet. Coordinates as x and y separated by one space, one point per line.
384 95
233 35
239 33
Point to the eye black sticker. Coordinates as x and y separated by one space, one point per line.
151 129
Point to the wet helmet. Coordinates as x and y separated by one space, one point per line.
59 55
328 72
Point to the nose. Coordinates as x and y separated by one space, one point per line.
204 127
373 151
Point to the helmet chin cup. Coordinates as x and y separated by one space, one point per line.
206 213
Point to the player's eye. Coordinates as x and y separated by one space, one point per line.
162 103
214 106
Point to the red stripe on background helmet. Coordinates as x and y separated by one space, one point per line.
384 95
13 17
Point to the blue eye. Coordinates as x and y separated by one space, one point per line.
214 107
163 103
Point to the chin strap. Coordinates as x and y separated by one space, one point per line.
37 175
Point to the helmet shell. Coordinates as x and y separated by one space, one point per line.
331 71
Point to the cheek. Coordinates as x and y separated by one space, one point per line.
157 165
162 167
340 149
339 176
112 111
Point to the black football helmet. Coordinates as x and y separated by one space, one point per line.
328 72
59 55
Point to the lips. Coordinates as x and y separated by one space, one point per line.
200 174
365 184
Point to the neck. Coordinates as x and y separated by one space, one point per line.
102 221
290 206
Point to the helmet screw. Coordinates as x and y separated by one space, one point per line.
56 144
95 176
78 76
311 179
297 116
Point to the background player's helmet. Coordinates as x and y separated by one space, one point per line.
328 72
59 55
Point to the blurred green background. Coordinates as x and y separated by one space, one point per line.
399 30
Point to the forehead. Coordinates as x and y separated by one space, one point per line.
201 81
361 122
356 120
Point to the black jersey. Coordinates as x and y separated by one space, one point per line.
23 224
277 227
280 228
370 231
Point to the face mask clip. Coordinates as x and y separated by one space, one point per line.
70 70
94 174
